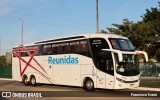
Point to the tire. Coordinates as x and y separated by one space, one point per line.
33 81
25 81
89 85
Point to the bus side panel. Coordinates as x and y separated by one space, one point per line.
110 81
67 75
88 71
16 73
16 69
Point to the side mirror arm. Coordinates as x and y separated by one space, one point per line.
120 56
144 53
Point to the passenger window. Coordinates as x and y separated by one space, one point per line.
68 49
60 50
105 62
46 49
82 48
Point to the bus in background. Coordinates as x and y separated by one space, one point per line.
106 61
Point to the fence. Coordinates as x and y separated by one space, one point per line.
150 75
5 71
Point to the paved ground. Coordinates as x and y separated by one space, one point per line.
73 93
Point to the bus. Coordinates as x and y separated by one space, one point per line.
91 61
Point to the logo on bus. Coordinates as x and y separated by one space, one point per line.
63 60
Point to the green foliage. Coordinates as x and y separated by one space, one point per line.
158 55
145 34
103 31
2 61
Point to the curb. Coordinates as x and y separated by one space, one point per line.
8 79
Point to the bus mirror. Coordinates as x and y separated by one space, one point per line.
120 57
144 53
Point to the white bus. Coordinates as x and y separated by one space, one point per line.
106 61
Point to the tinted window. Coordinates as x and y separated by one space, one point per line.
54 50
104 62
102 59
97 44
82 48
47 49
77 47
68 49
24 54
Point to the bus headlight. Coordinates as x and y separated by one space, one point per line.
120 80
123 81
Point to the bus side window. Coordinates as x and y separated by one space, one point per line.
101 62
54 50
40 50
109 63
82 48
105 62
68 49
97 44
72 48
46 49
59 50
24 54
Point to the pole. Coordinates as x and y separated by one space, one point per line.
21 31
97 19
22 34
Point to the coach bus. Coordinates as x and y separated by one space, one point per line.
106 61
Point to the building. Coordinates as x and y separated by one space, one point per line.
8 57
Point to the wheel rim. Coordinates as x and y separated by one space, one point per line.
33 81
26 80
89 84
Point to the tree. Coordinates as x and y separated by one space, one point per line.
153 16
144 37
142 34
124 29
2 61
145 34
139 33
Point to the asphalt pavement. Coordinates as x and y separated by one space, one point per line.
20 92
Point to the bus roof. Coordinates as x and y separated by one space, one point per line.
75 37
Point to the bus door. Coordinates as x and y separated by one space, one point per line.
105 70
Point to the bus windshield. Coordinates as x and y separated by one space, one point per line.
121 44
129 66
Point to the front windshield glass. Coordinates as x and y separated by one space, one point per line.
129 66
121 44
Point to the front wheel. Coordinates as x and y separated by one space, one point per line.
89 85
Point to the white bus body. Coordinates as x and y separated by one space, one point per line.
91 61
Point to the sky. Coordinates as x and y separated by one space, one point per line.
44 19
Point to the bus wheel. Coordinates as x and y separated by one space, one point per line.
33 81
26 81
89 85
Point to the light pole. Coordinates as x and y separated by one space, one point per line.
21 31
97 20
